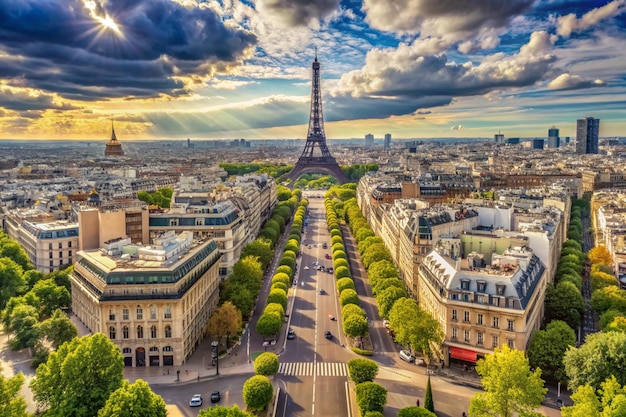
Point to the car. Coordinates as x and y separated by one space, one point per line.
196 400
324 246
327 256
306 268
328 334
216 397
291 334
321 291
386 324
331 317
407 356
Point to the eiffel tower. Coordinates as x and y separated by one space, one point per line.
316 157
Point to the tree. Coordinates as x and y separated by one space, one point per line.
32 276
225 321
429 404
261 249
348 296
58 329
610 400
370 397
345 283
257 392
415 327
219 411
269 324
355 326
564 302
51 296
601 356
383 284
362 370
78 378
600 255
24 320
14 251
11 280
12 404
241 296
511 388
374 253
266 364
352 309
387 298
277 296
547 349
134 400
608 298
601 279
415 412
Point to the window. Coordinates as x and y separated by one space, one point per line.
153 313
482 286
49 246
139 313
479 319
125 332
154 349
51 264
466 316
69 245
167 312
139 332
69 253
60 255
500 289
467 336
454 315
168 331
511 343
465 284
510 325
496 322
125 314
112 333
480 299
494 341
60 245
455 333
111 314
479 338
168 349
50 255
127 350
153 332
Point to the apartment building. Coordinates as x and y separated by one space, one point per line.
151 301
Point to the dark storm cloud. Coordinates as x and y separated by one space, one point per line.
61 48
21 102
350 108
298 12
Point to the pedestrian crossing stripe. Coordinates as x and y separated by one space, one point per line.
309 369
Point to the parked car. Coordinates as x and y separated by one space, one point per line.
325 246
291 334
328 334
330 316
321 291
196 400
407 356
386 324
216 397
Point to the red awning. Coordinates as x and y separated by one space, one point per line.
463 354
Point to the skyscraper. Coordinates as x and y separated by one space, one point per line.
387 142
587 131
553 138
498 138
369 140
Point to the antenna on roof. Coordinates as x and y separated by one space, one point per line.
316 54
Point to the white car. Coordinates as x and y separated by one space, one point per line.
196 400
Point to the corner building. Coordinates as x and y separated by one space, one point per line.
154 301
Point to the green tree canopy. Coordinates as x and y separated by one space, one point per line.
349 296
277 296
269 324
601 356
564 302
77 379
24 322
608 298
51 296
345 283
58 329
14 251
547 349
415 327
266 364
355 326
12 404
609 400
387 297
260 249
362 370
370 397
257 392
219 411
134 400
225 321
511 388
413 411
11 281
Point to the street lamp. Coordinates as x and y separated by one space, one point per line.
215 356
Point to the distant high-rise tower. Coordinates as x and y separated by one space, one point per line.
369 140
113 147
498 138
587 132
553 138
387 141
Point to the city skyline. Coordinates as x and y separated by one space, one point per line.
168 69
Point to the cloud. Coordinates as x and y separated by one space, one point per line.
292 13
573 82
22 100
412 81
456 127
162 47
568 24
458 19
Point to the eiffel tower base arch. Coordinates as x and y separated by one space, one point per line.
317 165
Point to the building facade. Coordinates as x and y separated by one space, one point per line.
153 302
553 138
587 134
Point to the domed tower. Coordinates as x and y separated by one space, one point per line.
94 198
113 147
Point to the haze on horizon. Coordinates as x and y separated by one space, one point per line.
177 69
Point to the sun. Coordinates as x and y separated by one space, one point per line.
97 13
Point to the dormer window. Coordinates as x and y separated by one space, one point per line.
482 286
465 284
500 289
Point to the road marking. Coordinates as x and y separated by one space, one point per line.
313 369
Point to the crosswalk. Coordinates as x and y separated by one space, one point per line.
310 369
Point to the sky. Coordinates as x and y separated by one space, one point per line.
226 69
